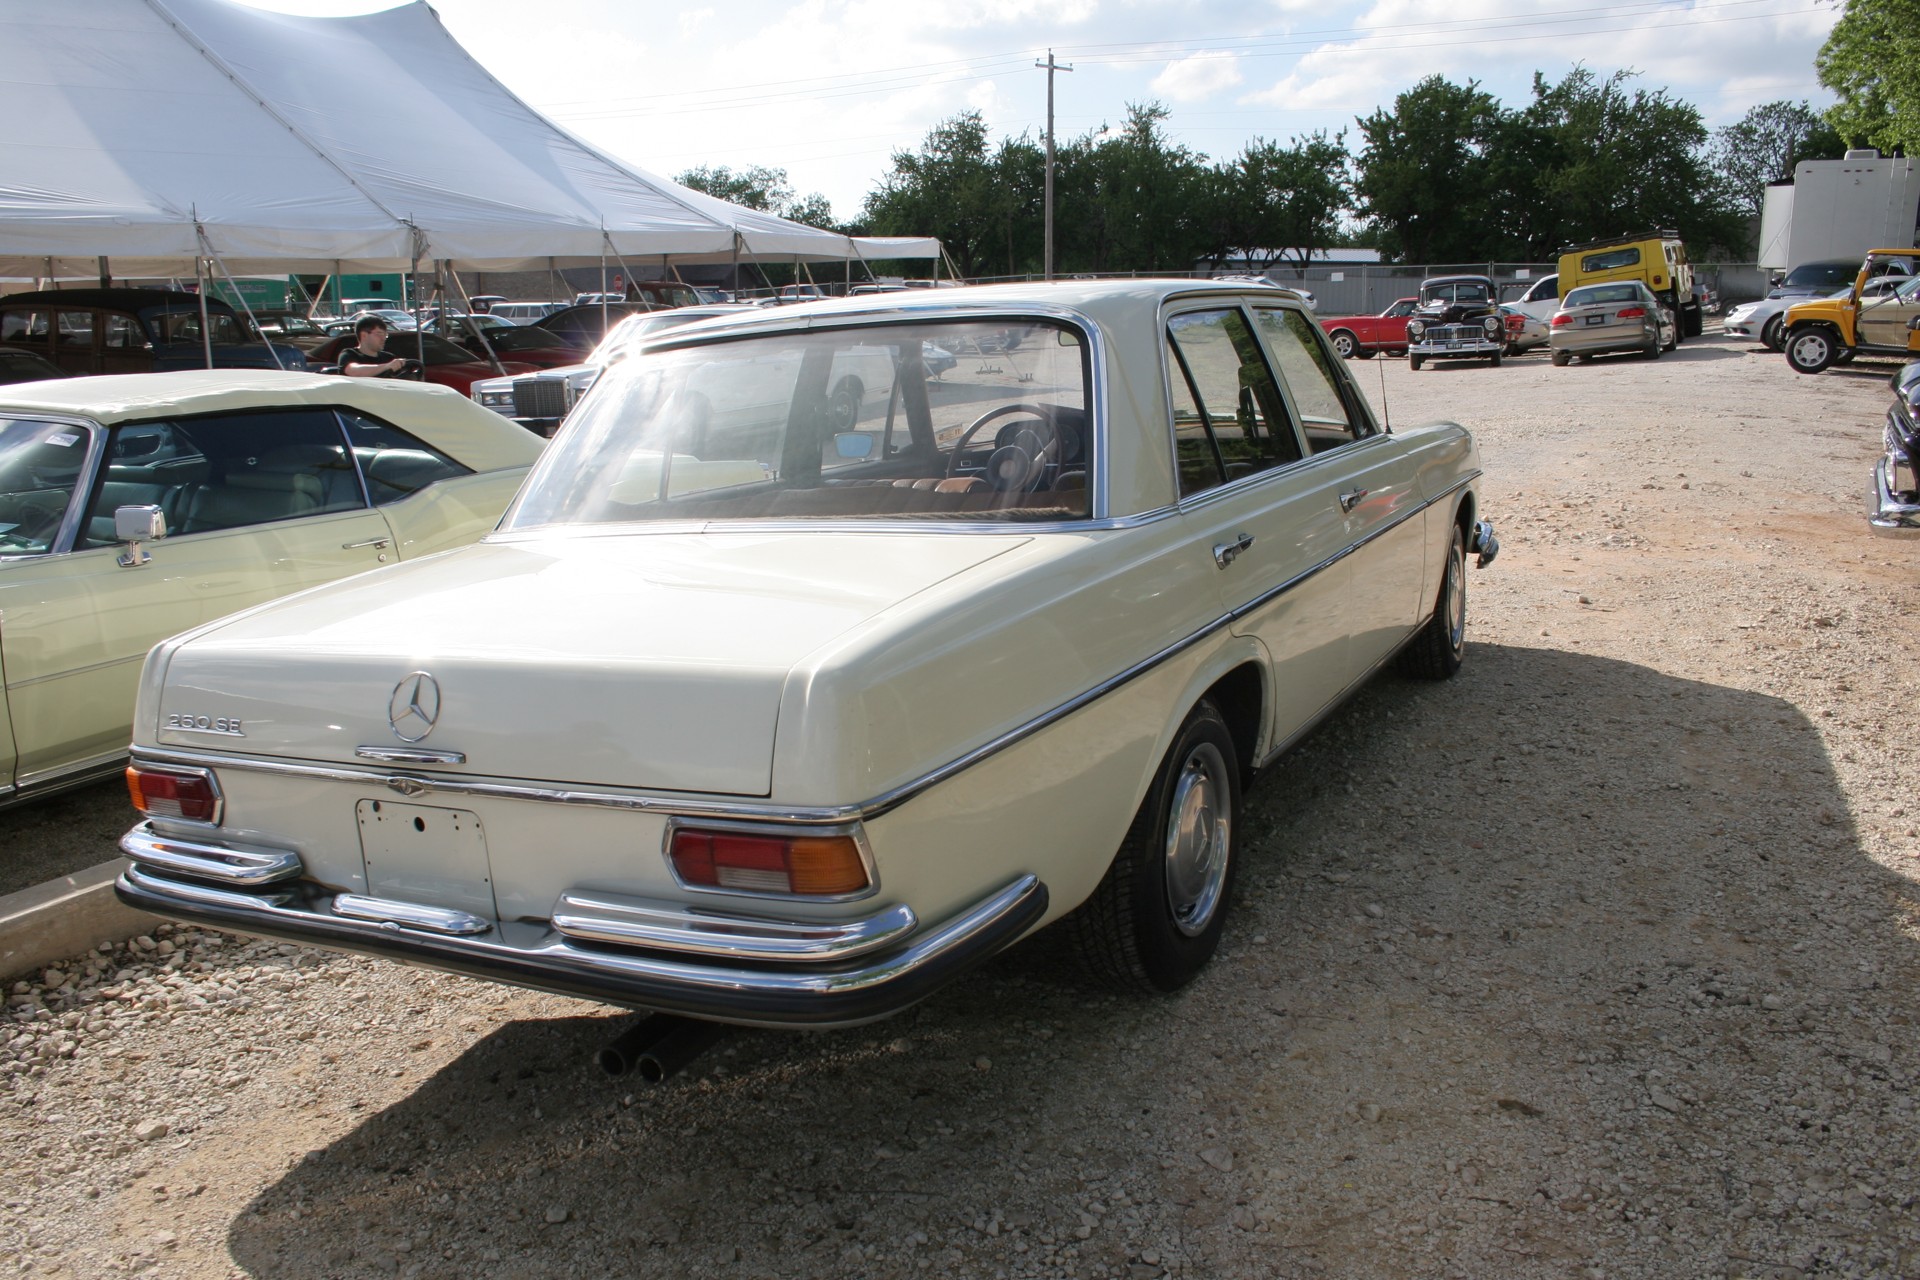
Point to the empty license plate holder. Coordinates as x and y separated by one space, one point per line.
423 854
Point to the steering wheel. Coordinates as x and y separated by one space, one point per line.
1021 463
412 369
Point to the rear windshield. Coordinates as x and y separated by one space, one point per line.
1611 260
1599 293
960 421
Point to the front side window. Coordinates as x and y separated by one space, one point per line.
1308 372
40 467
225 471
123 333
1228 418
1404 307
26 328
923 420
75 330
184 326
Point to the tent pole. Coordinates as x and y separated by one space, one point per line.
339 298
734 283
627 271
206 325
466 305
603 281
106 275
413 285
252 319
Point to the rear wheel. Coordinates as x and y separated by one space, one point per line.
1652 350
843 406
1561 359
1811 349
1156 917
1345 344
1437 652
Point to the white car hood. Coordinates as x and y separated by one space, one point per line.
642 660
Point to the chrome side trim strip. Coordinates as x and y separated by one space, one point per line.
640 922
691 807
228 862
403 755
30 681
409 915
77 772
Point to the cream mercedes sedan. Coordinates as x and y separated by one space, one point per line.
757 710
135 506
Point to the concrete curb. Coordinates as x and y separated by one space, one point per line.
63 918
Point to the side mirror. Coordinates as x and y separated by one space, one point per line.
853 444
135 525
1913 325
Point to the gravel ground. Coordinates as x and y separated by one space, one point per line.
1597 961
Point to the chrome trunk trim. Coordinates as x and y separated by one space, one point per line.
228 862
666 926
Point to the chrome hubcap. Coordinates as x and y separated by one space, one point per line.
1199 835
1457 596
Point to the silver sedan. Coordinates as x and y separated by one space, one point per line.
1599 318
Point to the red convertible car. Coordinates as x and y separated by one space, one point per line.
1364 336
446 364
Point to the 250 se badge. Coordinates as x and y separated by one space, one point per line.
187 722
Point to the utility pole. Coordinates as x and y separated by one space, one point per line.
1050 66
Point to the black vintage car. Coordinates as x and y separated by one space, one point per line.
124 330
1893 506
1457 318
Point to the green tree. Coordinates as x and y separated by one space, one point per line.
763 188
1284 200
948 188
1424 175
1872 61
1764 145
1129 199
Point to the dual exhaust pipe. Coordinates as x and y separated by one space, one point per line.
657 1046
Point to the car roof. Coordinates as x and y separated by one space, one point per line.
439 416
123 299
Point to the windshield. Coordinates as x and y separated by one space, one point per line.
1601 293
1458 291
40 464
1821 275
974 420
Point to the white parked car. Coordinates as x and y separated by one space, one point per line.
1764 321
139 505
761 713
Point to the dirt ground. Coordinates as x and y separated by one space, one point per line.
1599 960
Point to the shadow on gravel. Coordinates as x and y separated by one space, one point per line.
57 836
1565 964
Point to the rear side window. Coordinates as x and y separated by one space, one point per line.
1611 260
395 464
1228 418
1307 370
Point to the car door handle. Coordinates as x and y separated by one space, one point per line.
1224 553
370 542
1351 499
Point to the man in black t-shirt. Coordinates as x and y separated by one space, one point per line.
366 358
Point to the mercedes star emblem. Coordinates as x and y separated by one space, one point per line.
414 706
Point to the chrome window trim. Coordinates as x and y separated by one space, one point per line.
694 808
930 311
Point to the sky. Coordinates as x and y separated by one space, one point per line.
829 90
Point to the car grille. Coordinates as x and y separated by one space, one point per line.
539 398
1455 333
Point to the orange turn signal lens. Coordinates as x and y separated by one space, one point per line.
814 866
164 793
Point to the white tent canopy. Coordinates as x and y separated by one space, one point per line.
164 130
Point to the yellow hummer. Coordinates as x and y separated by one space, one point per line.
1876 319
1657 259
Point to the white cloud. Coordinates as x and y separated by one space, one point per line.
1197 76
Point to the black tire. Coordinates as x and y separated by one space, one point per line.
1693 319
1652 350
1345 344
1156 918
1676 331
843 406
1365 353
1561 359
1438 650
1495 358
1773 334
1413 361
1513 349
1812 348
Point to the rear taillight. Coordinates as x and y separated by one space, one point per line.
809 865
1633 313
173 793
1562 320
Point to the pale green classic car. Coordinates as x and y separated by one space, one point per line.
242 486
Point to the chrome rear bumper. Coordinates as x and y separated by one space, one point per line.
749 970
1887 515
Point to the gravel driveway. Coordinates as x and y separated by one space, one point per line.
1597 961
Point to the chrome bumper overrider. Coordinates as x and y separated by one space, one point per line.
1887 515
648 955
1483 544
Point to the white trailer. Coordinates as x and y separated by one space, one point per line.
1841 209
